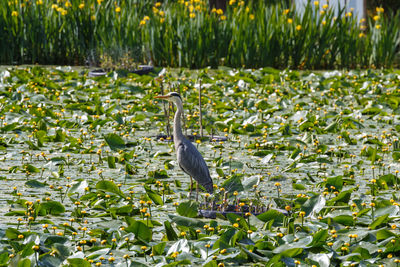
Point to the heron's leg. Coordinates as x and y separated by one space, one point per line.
197 191
191 187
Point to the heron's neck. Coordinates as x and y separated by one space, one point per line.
177 122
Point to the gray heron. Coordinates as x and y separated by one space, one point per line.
188 157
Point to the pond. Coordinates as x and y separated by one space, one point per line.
85 179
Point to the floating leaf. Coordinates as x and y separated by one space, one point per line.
141 231
76 262
153 195
35 183
51 207
188 209
114 141
233 184
109 186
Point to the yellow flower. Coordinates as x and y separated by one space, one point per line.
14 14
192 15
117 9
325 6
376 17
380 9
236 225
82 5
158 4
251 16
323 22
378 26
220 11
223 17
39 2
231 2
146 18
290 21
361 35
67 4
298 27
93 17
99 2
161 13
214 10
286 11
316 3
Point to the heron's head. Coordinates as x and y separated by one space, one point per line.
173 97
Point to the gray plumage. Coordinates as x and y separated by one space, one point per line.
188 157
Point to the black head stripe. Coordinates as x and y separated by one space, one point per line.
175 94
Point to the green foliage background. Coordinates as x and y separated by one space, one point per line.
187 34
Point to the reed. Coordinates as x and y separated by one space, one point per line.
188 34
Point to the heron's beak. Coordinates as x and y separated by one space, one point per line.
162 96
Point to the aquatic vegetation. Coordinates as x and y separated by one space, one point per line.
86 179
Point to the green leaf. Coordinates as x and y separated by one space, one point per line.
319 238
212 263
32 145
111 162
314 204
51 207
184 221
153 195
384 234
379 221
344 219
114 141
40 136
291 253
141 231
77 262
34 183
220 172
336 182
233 184
159 248
188 209
12 233
270 215
342 197
171 235
24 263
30 168
298 186
109 186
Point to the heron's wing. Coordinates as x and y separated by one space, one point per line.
191 162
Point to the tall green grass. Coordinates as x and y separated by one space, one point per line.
188 34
